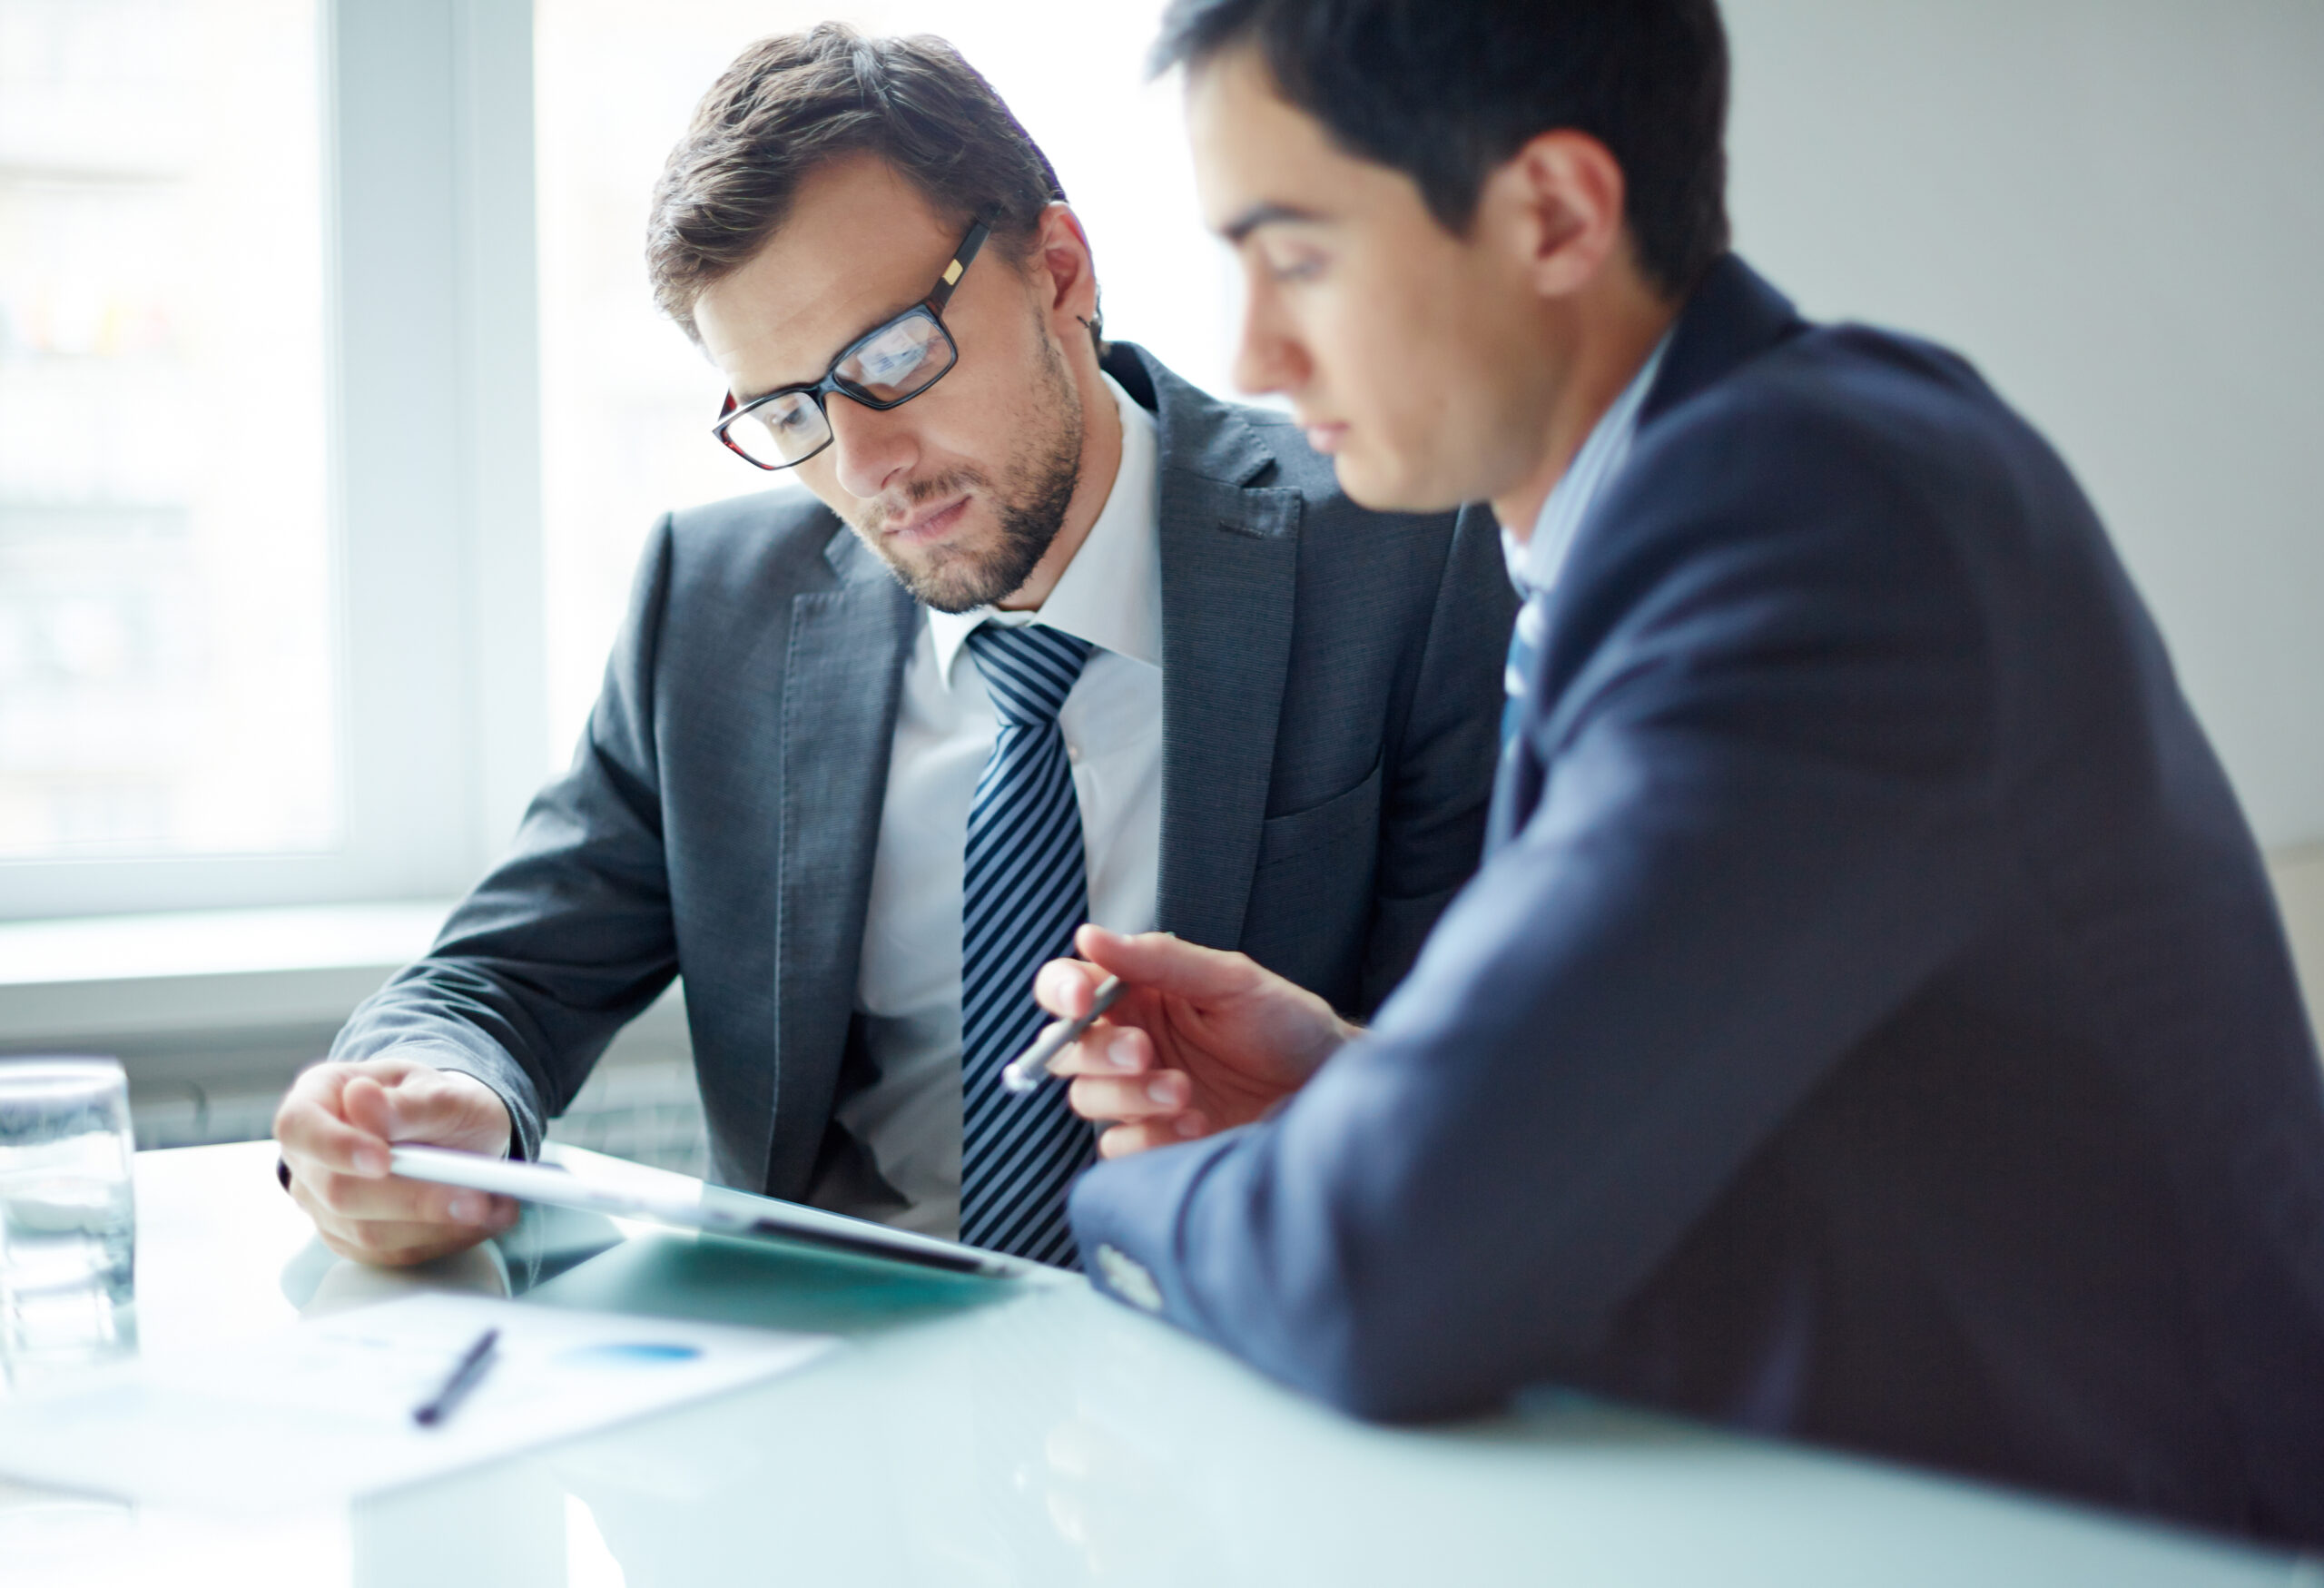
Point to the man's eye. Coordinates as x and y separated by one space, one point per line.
787 416
1287 273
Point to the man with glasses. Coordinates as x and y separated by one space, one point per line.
1870 1023
1049 637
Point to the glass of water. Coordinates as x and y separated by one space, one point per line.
67 1218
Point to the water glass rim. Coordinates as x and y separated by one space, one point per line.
22 1075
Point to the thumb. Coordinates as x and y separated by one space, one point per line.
1162 962
428 1106
417 1106
364 1103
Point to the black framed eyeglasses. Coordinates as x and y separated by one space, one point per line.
885 368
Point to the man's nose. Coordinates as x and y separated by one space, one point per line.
872 449
1265 358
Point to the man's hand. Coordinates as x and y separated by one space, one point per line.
335 1127
1200 1041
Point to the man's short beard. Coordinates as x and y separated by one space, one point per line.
1031 505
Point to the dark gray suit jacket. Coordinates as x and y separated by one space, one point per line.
1331 696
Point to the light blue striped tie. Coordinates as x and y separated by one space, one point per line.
1027 888
1524 652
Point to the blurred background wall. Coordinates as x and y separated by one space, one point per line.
2111 207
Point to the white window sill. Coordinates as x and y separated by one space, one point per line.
197 971
212 1011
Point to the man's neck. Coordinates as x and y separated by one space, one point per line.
1616 336
1101 461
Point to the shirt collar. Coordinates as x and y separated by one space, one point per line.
1533 564
1111 594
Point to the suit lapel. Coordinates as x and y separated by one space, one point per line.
1732 316
1230 562
840 680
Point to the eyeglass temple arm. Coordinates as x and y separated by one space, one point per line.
962 257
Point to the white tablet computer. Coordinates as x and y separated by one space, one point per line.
679 1203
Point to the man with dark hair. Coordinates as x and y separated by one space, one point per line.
1871 1022
1138 663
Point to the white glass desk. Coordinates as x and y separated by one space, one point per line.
1047 1436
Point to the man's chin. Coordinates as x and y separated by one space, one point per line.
947 598
1378 484
954 583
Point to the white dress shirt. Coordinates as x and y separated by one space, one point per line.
908 990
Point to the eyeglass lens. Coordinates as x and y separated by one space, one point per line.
898 361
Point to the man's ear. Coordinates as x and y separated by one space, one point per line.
1061 253
1557 203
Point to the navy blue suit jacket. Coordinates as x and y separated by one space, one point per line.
1872 1022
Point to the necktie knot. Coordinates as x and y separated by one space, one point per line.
1028 671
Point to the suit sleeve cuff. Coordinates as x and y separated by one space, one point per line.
1128 1214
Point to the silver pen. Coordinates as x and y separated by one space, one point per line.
1031 1067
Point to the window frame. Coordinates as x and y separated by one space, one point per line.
433 515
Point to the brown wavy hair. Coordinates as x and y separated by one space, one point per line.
793 103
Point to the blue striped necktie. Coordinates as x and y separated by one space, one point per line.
1026 889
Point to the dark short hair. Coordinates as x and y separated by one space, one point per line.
1445 91
795 102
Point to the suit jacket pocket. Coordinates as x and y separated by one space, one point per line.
1350 817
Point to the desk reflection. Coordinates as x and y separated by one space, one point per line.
975 1430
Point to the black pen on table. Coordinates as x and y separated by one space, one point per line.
473 1365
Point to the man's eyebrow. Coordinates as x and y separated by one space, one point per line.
1267 213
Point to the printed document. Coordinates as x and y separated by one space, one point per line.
323 1409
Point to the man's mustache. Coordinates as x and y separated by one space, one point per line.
878 517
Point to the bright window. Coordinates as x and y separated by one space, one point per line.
165 609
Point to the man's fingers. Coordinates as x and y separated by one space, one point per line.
1067 988
310 1135
1131 1098
1124 1140
433 1106
364 1103
394 1200
1106 1049
335 1126
356 1197
398 1221
444 1106
1164 963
